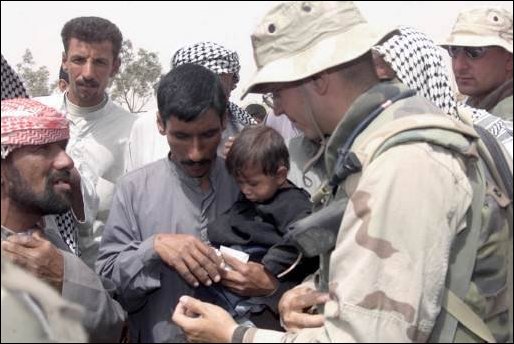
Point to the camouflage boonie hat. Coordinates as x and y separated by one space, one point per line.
481 27
298 39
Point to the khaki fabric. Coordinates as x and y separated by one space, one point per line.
481 27
34 312
406 209
301 38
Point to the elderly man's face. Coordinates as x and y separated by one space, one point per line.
479 76
38 178
194 144
90 66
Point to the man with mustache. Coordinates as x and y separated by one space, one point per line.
99 129
145 145
481 49
36 181
154 246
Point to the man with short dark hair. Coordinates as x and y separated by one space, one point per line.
145 145
155 246
99 128
480 45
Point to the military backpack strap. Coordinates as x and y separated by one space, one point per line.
466 316
500 167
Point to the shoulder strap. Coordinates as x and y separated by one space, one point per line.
500 167
461 311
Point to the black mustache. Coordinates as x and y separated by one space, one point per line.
64 176
91 83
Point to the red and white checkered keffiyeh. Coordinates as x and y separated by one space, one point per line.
28 122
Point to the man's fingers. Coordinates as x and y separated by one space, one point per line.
193 305
235 263
303 320
209 252
38 234
197 270
186 274
25 240
310 299
180 316
208 265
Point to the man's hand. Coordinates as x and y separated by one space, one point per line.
192 259
37 255
227 145
203 322
247 279
295 308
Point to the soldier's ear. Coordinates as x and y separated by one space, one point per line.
320 83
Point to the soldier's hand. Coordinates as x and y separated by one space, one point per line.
37 255
191 258
296 306
247 279
203 322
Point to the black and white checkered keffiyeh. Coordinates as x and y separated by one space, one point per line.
219 60
420 65
210 55
12 87
66 225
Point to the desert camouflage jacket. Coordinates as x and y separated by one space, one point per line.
406 207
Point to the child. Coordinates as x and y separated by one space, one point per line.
258 221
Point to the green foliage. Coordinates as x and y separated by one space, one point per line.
35 80
133 85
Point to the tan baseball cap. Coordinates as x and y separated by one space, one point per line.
481 27
298 39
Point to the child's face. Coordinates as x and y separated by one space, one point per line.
256 186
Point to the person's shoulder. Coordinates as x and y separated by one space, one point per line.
148 172
504 109
293 192
54 100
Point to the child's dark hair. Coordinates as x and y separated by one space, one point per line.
257 146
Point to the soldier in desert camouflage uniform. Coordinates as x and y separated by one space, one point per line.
404 174
480 45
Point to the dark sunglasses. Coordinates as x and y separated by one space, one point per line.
472 53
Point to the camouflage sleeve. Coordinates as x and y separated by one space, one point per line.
388 269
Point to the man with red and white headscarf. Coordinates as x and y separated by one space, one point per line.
36 181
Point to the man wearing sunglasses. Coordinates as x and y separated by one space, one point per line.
480 46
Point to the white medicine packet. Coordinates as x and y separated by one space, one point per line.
239 255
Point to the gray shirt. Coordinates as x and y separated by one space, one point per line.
103 317
157 198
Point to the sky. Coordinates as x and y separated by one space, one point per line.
164 27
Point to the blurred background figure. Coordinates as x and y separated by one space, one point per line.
257 111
